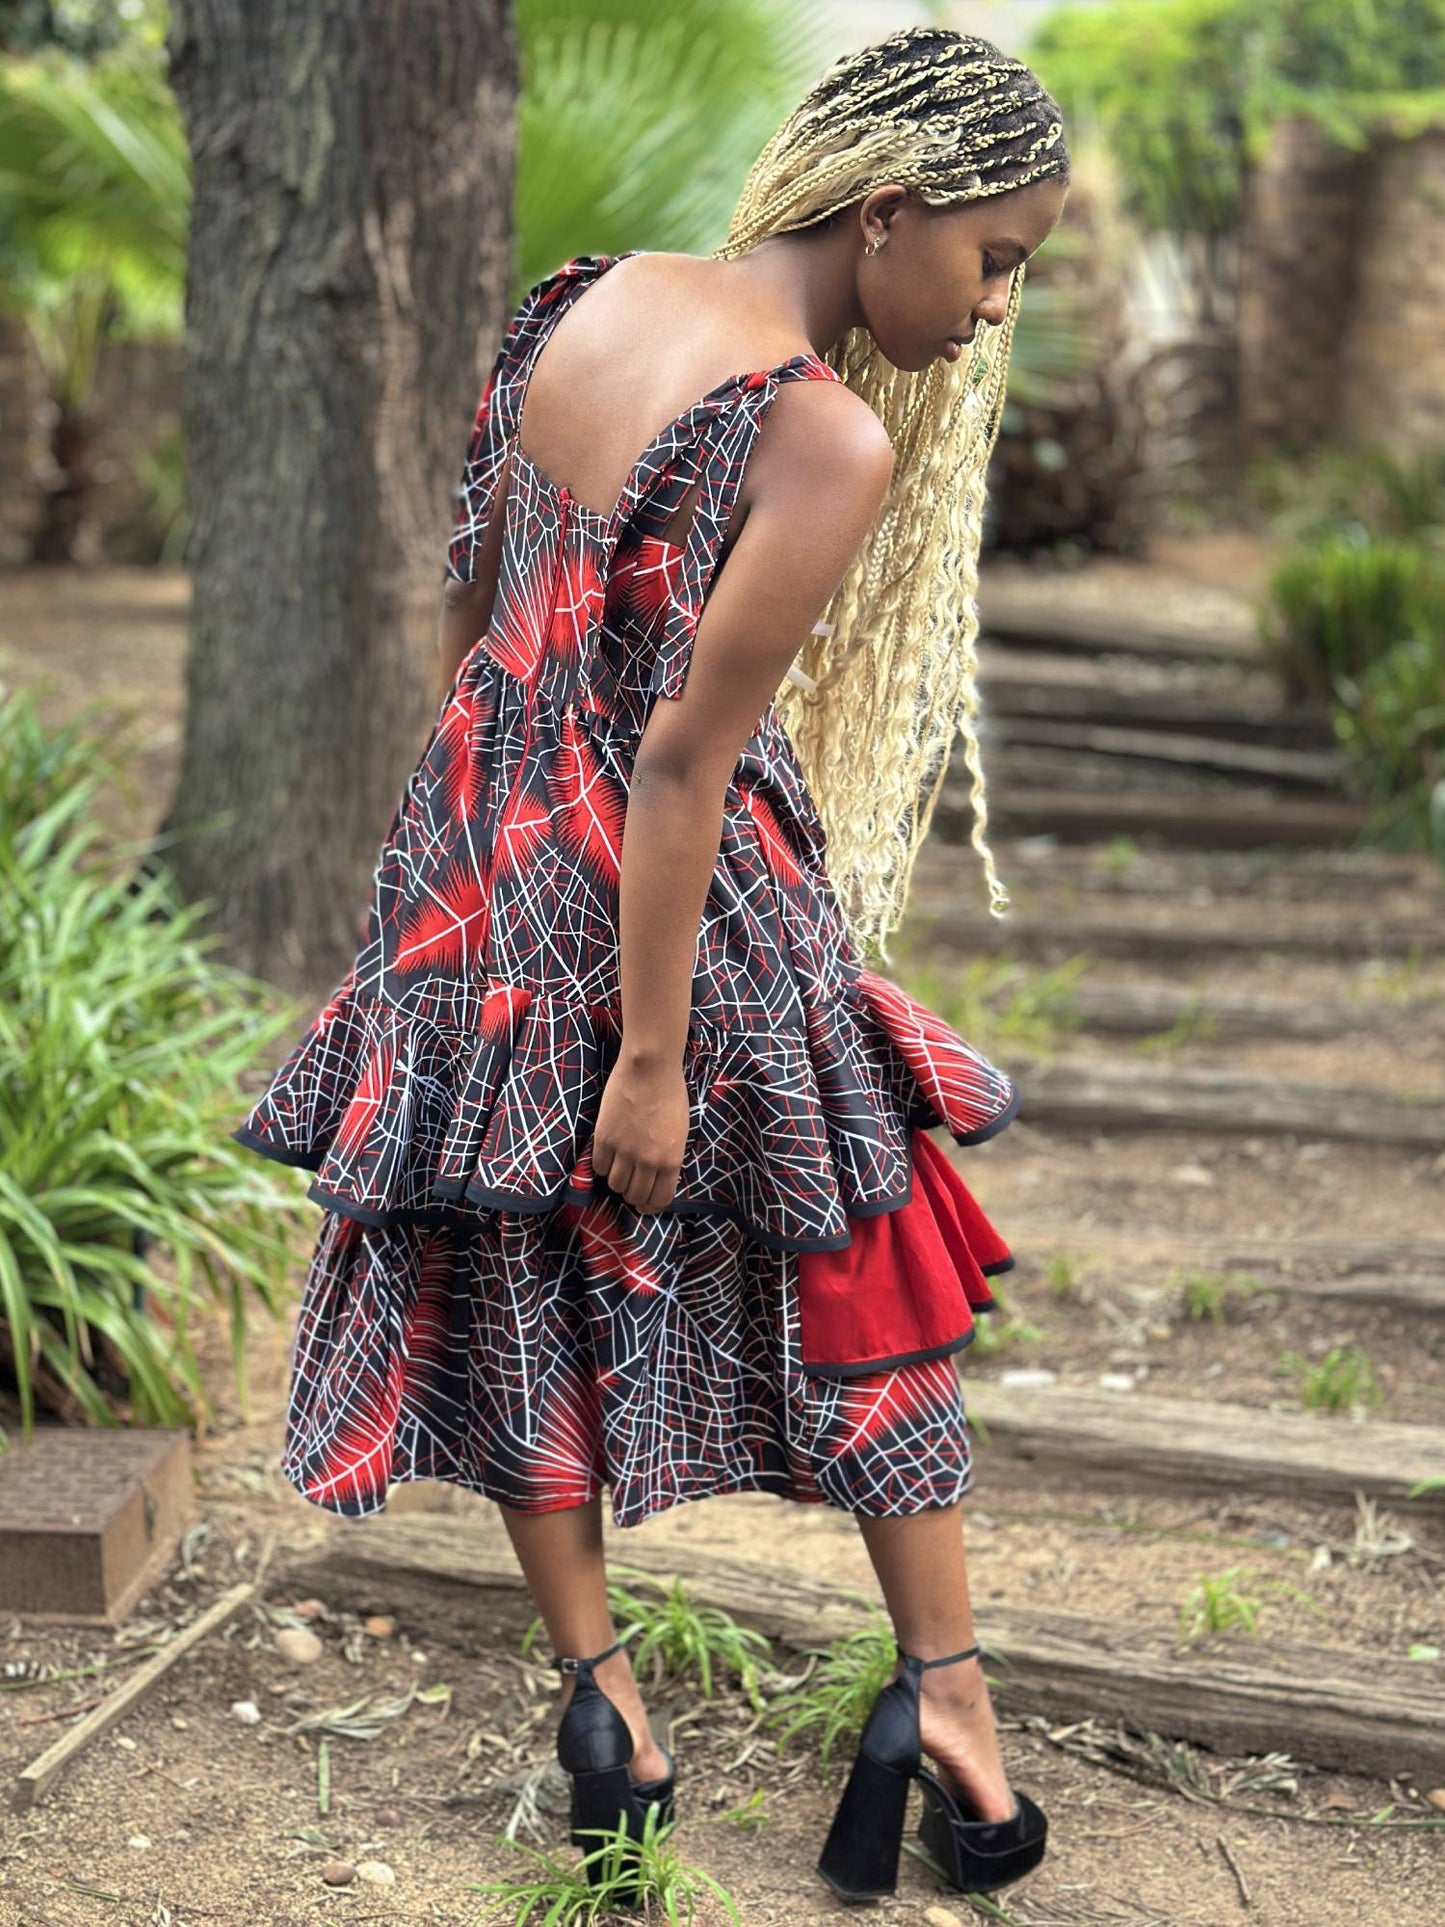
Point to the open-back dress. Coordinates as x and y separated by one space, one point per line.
480 1307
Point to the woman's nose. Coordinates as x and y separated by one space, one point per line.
992 308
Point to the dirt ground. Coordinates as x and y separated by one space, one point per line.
184 1814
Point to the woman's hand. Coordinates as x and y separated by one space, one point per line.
641 1133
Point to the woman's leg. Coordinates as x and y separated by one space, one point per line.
920 1566
560 1554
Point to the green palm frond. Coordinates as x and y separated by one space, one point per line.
94 206
638 125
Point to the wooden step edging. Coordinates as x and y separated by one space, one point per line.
1348 1710
1371 1285
1203 822
1083 1094
1005 619
1146 1010
934 926
1142 1440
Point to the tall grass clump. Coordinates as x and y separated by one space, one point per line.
126 1210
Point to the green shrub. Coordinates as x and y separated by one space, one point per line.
1337 606
123 1049
1390 721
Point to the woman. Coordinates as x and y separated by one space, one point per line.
622 1148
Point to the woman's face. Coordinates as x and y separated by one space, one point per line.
938 274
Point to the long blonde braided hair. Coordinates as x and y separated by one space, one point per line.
949 116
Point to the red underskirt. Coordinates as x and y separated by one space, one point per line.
908 1285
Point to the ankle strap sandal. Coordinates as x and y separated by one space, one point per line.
859 1860
565 1663
594 1746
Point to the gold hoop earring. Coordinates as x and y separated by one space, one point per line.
874 245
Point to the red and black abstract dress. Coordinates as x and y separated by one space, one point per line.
480 1307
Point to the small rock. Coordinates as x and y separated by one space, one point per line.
942 1917
1338 1801
418 1659
125 1740
389 1817
376 1872
298 1646
379 1626
1436 1798
1028 1377
1191 1174
181 1724
309 1609
1160 1332
139 1842
1116 1381
247 1712
338 1873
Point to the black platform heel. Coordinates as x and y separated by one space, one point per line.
859 1860
594 1745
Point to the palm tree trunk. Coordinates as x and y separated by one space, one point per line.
349 276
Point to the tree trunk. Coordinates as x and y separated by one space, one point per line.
350 275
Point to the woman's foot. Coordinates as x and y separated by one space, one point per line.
957 1730
614 1677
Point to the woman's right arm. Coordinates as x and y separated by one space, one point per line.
815 483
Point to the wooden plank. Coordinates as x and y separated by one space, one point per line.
1130 1010
1082 631
1341 877
1311 1274
1340 1254
1020 686
933 925
1335 1707
1206 822
1322 769
35 1780
1079 1094
1138 1439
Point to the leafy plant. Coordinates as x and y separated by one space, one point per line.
1334 607
1217 1604
618 1874
1061 1273
94 213
995 1331
1186 91
1121 854
1343 1380
1390 721
998 1003
681 1639
752 1815
1206 1294
833 1698
123 1051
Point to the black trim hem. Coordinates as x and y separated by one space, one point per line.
995 1124
453 1202
862 1367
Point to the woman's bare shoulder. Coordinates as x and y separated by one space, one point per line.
822 454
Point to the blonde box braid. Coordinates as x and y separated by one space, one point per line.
894 662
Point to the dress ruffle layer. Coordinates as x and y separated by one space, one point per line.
906 1289
405 1118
